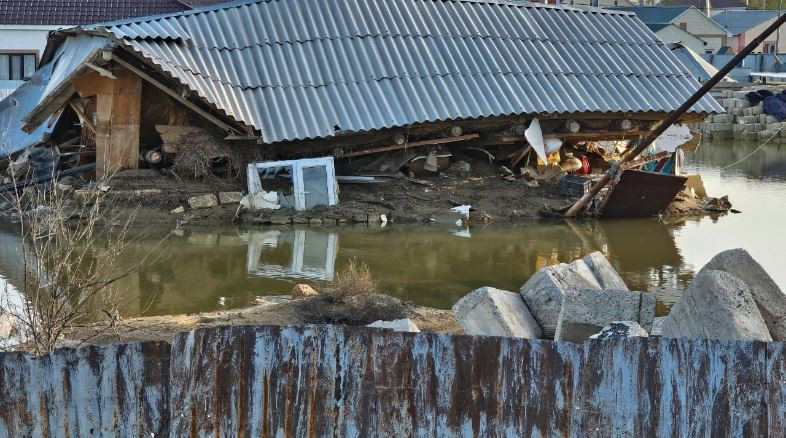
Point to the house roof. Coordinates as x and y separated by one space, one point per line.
79 12
656 14
297 69
739 21
702 4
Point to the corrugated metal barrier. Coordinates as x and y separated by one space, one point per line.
336 381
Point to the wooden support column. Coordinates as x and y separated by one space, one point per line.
118 113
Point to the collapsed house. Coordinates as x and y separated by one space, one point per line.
378 86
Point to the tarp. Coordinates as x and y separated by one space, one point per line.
46 81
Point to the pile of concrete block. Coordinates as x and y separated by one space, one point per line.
732 297
743 121
567 301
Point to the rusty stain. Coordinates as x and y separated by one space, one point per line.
343 381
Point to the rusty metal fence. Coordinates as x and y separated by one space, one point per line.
338 381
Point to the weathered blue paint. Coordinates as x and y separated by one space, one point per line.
339 381
117 390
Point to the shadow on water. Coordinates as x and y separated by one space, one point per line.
202 269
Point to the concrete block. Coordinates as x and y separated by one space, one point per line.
773 126
737 111
716 305
769 298
202 201
722 118
756 110
585 312
493 312
397 325
741 103
230 197
770 119
604 272
621 329
763 118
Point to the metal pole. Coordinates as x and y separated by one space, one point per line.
675 115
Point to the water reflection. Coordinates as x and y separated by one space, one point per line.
292 253
202 270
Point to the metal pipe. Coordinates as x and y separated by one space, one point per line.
675 115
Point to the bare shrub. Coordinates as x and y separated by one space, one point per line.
354 280
198 153
353 299
69 260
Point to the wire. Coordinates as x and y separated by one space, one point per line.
754 151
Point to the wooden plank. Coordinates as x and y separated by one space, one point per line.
118 125
411 145
586 135
91 84
82 117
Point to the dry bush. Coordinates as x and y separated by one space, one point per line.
354 280
353 299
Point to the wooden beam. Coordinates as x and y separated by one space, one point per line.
588 136
118 117
171 93
411 145
82 117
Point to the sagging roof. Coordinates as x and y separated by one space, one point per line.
297 69
78 12
67 61
699 67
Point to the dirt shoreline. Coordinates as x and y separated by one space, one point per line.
277 310
152 196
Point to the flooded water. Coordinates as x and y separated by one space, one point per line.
202 269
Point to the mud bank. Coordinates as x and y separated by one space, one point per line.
157 197
277 310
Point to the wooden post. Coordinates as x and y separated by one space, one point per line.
118 113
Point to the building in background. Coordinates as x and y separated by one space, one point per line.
25 24
746 25
688 26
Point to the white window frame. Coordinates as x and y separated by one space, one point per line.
299 191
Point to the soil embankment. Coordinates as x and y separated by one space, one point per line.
267 311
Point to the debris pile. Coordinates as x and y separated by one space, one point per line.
732 297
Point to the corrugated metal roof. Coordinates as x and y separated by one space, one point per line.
739 21
45 81
656 14
300 69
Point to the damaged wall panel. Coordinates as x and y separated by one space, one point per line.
345 381
328 380
118 116
116 390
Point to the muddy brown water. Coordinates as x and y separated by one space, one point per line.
203 269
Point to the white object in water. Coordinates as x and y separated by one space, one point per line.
462 210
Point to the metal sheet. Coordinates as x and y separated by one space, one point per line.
333 381
32 96
350 382
641 194
301 69
117 390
